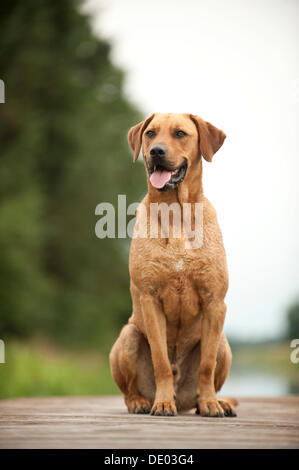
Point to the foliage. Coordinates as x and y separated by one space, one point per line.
63 150
41 369
293 321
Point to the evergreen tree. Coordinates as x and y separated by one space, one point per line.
63 150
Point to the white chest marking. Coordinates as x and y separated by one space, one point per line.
179 265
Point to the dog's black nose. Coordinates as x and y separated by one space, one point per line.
158 151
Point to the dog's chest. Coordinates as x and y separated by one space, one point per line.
175 269
181 306
178 288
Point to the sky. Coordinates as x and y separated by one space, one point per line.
235 64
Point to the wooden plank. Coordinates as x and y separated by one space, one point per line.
103 422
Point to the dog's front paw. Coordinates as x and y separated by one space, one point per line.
138 405
210 408
164 408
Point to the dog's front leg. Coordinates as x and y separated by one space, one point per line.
155 324
211 329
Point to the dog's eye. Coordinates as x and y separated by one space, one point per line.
179 134
150 134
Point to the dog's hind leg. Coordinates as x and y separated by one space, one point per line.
224 359
132 369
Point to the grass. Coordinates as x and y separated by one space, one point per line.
276 355
38 368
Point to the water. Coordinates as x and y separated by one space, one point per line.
256 383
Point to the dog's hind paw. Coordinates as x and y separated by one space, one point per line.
228 407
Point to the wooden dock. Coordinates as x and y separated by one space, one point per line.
103 422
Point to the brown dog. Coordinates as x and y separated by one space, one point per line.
172 354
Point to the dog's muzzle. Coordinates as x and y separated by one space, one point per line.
163 176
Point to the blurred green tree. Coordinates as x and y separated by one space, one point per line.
63 150
293 321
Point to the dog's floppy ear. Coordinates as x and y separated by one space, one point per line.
210 138
135 136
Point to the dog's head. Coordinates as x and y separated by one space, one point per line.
172 145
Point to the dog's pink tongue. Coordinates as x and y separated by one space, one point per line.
160 178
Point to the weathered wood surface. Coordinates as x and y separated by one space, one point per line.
103 422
